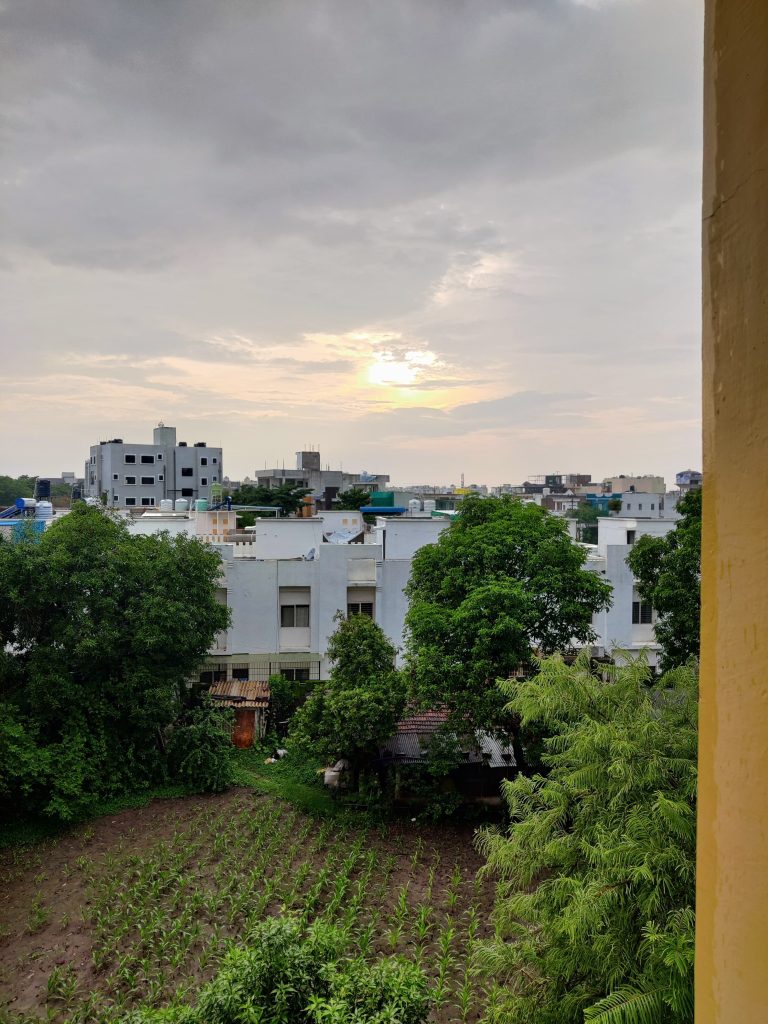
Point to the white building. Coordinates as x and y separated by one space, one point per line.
140 475
285 580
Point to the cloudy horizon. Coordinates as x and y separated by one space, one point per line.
427 237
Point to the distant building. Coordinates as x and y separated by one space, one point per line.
140 475
621 484
323 484
688 480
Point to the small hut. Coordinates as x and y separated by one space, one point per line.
250 700
483 760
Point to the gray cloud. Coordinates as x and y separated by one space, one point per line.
511 185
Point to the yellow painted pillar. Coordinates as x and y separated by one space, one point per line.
732 884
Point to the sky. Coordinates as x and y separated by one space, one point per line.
429 237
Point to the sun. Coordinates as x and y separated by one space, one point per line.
391 373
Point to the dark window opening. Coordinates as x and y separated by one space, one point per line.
240 672
294 616
130 459
130 479
631 536
187 492
203 461
130 501
295 675
203 481
147 501
147 479
360 608
186 471
642 613
147 460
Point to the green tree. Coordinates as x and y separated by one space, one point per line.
502 580
352 500
351 714
668 574
12 488
595 898
287 497
99 632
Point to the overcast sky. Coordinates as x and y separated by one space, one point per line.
428 236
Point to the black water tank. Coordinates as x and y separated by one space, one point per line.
43 490
77 493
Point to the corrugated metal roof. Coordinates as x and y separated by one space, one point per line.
406 748
249 694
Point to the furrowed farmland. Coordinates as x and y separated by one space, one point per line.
137 910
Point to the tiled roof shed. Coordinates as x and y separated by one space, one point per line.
245 694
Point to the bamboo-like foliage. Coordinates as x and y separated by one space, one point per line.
594 918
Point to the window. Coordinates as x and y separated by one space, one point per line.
295 675
187 492
640 507
214 478
203 481
240 672
131 459
216 675
631 536
187 471
159 456
629 506
147 460
130 501
161 477
114 476
130 479
360 608
653 507
203 461
213 461
147 479
115 497
642 613
294 616
147 501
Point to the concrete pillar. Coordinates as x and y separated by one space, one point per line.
732 884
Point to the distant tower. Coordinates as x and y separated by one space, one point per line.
462 479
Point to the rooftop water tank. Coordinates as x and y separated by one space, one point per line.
414 505
201 505
43 510
166 505
181 505
430 505
22 503
42 488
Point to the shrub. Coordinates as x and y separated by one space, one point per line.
288 976
200 751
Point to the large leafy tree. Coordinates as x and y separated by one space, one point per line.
503 580
356 710
287 497
352 500
99 631
595 901
668 574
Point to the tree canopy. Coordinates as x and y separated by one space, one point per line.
596 872
99 631
352 500
351 714
287 497
503 580
668 574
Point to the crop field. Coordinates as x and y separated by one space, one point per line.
137 910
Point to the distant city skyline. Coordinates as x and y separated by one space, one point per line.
426 238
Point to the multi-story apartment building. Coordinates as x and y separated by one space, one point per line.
140 475
324 484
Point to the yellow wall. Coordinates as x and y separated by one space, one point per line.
732 885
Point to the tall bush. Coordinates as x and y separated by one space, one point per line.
596 871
